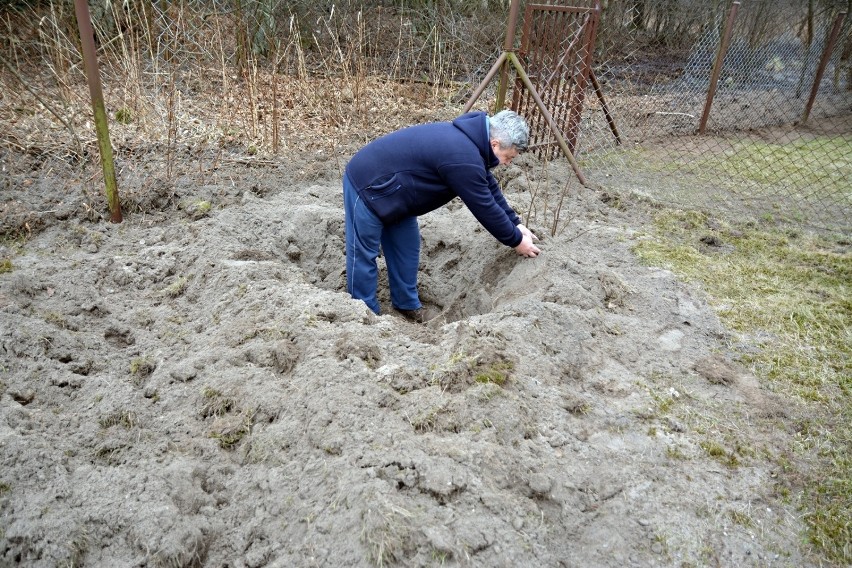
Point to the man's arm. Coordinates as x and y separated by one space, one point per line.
500 199
470 183
525 247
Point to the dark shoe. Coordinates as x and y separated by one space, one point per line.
417 316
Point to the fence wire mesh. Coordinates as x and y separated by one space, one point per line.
231 75
757 157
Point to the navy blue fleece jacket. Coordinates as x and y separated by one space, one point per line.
420 168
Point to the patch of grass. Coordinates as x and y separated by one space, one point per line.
427 420
386 530
56 319
828 164
230 434
200 208
488 391
82 234
830 516
110 454
486 367
77 548
6 266
576 405
124 115
216 403
176 288
660 544
124 418
662 403
790 294
719 453
496 373
675 453
140 369
741 518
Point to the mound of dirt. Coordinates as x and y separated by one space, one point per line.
197 389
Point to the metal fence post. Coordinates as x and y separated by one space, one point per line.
717 66
826 54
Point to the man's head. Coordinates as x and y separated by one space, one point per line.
510 135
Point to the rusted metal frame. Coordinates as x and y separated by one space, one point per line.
551 87
574 90
545 36
488 77
524 97
568 51
518 90
508 46
609 119
550 46
539 36
717 66
553 94
566 84
576 112
550 33
518 95
548 117
826 54
510 57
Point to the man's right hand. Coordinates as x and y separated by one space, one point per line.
527 248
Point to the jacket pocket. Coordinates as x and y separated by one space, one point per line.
387 200
389 187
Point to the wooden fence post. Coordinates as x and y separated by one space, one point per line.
717 66
826 54
90 61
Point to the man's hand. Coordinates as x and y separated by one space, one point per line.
526 247
527 232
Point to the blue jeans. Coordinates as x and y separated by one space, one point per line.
400 244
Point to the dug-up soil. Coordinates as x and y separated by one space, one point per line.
193 387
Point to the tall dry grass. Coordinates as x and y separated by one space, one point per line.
252 79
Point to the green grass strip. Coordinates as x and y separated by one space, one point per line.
789 292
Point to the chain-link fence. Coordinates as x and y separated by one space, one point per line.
743 147
263 76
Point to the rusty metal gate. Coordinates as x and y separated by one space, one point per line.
556 51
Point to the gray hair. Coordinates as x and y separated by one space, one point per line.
510 129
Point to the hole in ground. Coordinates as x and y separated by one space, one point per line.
455 280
